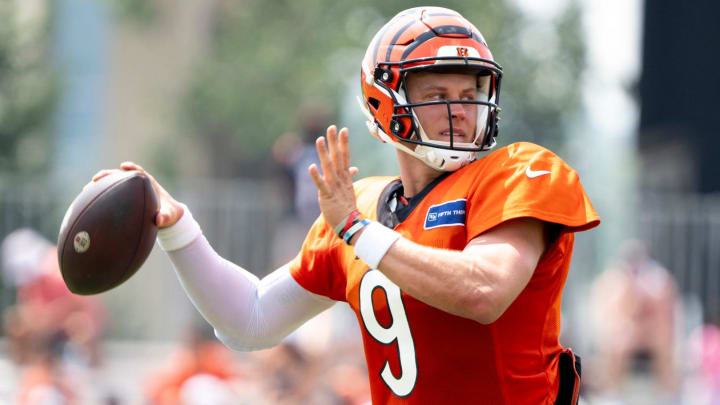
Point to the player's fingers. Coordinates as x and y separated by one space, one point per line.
318 180
168 215
134 166
344 150
102 173
353 170
128 165
131 166
161 218
333 147
325 163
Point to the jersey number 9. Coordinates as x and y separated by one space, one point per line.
399 330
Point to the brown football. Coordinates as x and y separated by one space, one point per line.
108 232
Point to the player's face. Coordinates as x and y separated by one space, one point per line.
426 86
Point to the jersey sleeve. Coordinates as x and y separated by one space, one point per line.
316 267
527 180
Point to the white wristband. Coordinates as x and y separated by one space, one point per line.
180 234
374 241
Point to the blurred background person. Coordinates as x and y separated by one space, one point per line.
635 307
295 152
201 371
48 327
704 346
290 374
44 380
45 310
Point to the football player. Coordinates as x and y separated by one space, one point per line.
455 269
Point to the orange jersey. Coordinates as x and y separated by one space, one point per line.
417 354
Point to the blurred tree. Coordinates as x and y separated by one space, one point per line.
28 90
141 12
269 57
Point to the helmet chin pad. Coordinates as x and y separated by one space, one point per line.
444 159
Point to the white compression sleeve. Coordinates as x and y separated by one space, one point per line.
247 313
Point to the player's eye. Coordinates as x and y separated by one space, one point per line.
435 96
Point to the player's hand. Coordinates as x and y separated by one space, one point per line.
170 209
336 195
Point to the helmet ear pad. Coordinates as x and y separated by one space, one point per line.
401 127
383 107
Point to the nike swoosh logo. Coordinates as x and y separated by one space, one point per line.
535 173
